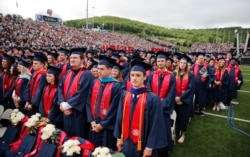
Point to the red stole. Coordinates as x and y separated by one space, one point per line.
18 86
181 84
86 147
135 132
72 88
105 99
165 83
236 72
7 82
170 69
64 69
48 97
34 82
128 85
219 74
196 71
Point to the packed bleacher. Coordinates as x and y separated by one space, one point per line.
72 92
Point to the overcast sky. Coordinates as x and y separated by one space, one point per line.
166 13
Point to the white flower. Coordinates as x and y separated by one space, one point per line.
16 116
70 147
47 131
101 152
33 120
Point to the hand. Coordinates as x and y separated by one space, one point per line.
28 107
119 145
99 127
147 152
67 112
204 75
177 99
93 125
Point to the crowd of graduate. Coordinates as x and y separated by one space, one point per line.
119 99
114 98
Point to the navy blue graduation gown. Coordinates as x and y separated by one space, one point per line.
167 103
36 98
220 93
105 137
55 115
183 111
154 134
201 88
232 85
76 123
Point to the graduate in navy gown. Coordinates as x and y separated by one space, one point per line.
103 104
140 128
48 106
184 95
235 79
220 84
162 83
202 74
34 89
63 61
20 85
73 92
117 74
5 79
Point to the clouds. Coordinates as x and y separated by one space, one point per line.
166 13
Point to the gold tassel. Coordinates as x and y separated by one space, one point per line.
139 145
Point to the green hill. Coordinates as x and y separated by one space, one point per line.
184 37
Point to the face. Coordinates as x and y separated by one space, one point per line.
201 59
211 63
75 61
114 73
62 57
37 65
50 59
168 63
94 72
221 63
137 79
19 67
104 71
50 78
161 63
11 70
183 64
4 64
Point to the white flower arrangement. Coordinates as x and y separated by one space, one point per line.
48 131
32 122
101 152
16 116
70 147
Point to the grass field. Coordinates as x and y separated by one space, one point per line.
211 136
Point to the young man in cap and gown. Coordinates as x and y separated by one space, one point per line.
162 83
102 105
34 89
140 128
73 92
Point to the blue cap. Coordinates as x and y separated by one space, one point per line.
24 63
103 60
79 51
200 54
93 65
118 67
116 56
40 57
54 70
162 54
184 57
54 55
138 65
63 50
8 58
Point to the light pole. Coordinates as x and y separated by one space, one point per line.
93 17
87 12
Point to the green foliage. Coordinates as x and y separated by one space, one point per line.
185 37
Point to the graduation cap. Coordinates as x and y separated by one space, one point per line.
118 67
234 59
30 57
116 56
9 58
54 55
221 58
79 51
162 54
54 70
93 65
24 63
176 54
91 51
103 60
63 50
200 54
91 60
138 65
40 57
184 57
136 56
121 52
